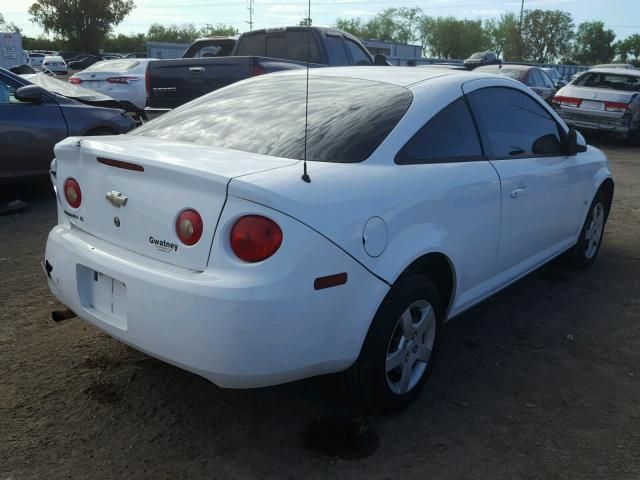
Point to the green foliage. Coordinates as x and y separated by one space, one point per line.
122 43
594 44
7 26
392 24
41 43
83 24
629 48
503 36
546 34
187 32
448 37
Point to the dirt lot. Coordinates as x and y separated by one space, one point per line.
541 381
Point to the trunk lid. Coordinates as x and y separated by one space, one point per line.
593 99
176 176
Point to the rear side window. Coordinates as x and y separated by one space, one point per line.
347 118
450 136
252 45
338 50
514 124
360 57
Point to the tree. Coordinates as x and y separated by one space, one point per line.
84 24
135 42
8 26
185 33
629 48
392 24
41 43
546 34
503 36
218 30
594 44
448 37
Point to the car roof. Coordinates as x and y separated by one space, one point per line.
627 66
53 56
616 71
401 76
507 66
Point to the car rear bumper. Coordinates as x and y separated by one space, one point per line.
237 333
580 120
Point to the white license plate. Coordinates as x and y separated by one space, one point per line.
592 105
106 296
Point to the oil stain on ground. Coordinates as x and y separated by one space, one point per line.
342 437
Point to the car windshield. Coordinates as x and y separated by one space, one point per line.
113 65
612 81
347 118
477 56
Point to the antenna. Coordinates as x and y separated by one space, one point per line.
250 22
305 176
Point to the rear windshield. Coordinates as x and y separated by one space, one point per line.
113 65
348 118
612 81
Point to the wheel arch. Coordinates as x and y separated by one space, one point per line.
607 187
439 268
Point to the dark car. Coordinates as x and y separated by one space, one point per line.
533 77
83 61
479 59
34 119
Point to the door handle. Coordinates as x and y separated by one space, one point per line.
519 192
196 69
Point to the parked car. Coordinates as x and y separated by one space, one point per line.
479 59
68 55
122 79
555 77
83 61
136 55
604 99
533 77
174 82
215 253
55 64
36 59
33 120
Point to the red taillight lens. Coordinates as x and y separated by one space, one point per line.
123 80
616 106
72 192
189 227
567 101
75 81
255 70
255 238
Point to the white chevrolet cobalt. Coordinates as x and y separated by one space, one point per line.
198 240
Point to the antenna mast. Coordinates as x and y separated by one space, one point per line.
305 176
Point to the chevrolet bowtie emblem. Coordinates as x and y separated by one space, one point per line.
116 199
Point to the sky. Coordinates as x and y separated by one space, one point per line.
623 16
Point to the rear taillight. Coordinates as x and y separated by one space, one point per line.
255 238
147 81
567 101
123 80
616 106
189 227
75 81
72 192
255 70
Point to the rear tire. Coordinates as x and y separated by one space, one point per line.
400 348
585 251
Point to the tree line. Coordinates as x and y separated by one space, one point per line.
541 36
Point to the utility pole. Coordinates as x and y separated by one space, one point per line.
250 22
521 40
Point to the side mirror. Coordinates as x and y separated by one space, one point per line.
30 94
380 60
574 142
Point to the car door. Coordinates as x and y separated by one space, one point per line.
537 84
28 133
542 188
444 168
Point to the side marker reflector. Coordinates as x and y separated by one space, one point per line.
330 281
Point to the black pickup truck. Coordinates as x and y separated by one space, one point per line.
210 64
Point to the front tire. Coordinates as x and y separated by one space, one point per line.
400 348
585 251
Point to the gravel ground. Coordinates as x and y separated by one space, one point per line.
540 381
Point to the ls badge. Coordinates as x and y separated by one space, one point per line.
116 199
